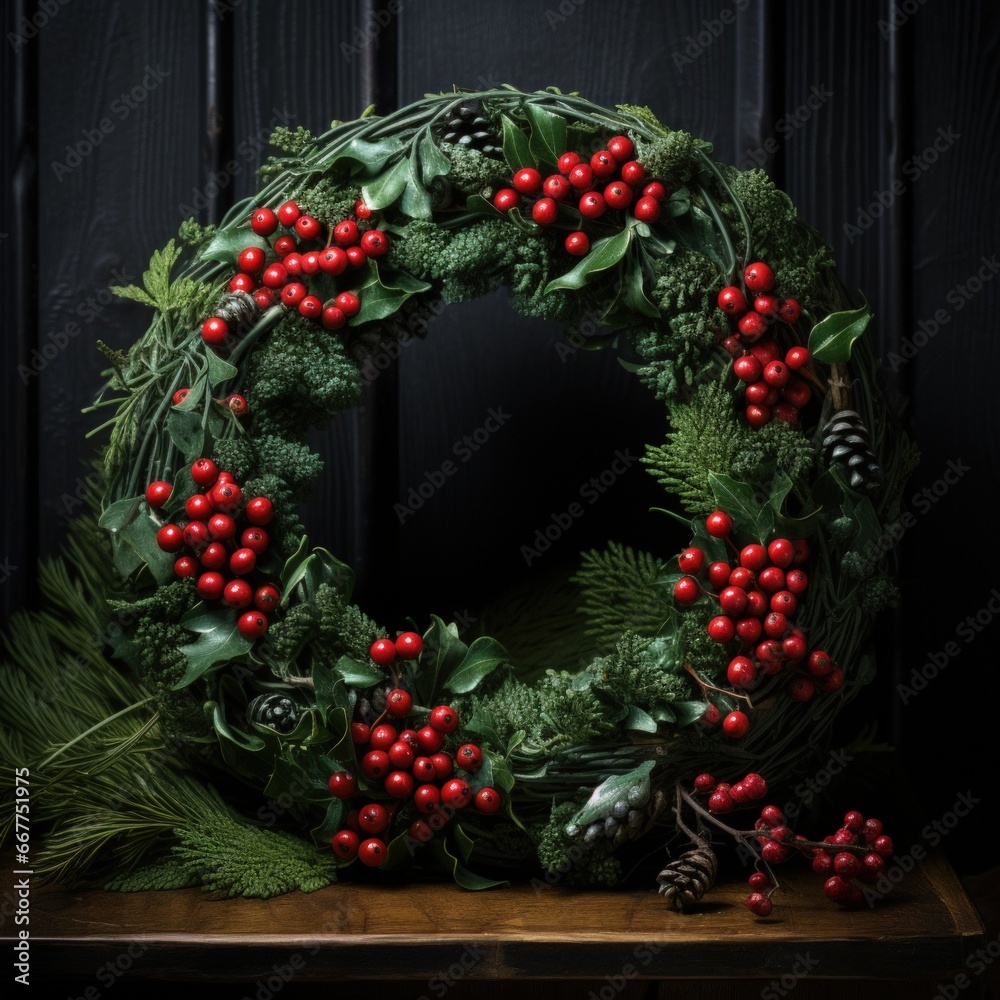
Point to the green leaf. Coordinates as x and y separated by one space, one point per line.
381 297
140 536
609 791
371 156
481 206
219 371
445 860
192 432
483 657
383 190
443 652
293 568
219 640
227 244
831 340
433 163
738 500
120 514
633 290
679 202
156 279
483 724
603 254
334 572
416 201
687 712
639 720
515 146
357 674
548 134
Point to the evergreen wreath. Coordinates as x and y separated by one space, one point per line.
205 705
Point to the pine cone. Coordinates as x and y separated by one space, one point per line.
626 821
687 878
239 310
277 711
467 127
845 442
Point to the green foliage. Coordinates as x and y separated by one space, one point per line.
471 170
686 283
619 593
192 233
632 677
291 141
513 706
706 655
330 200
560 854
169 872
240 860
671 158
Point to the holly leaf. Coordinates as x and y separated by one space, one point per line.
603 255
686 712
515 146
634 292
639 721
371 156
219 371
381 297
548 134
357 674
679 203
443 652
483 657
416 201
832 338
384 189
227 244
444 859
738 500
219 640
120 514
609 791
140 536
433 163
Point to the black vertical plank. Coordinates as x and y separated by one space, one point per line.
119 151
18 237
321 65
569 414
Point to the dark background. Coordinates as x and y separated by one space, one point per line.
886 81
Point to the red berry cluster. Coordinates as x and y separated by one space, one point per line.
773 389
758 595
234 402
410 765
284 277
855 851
611 180
216 542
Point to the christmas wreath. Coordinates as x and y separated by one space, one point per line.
206 706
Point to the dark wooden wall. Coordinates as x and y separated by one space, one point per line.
885 80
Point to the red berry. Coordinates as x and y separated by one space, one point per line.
704 782
733 600
603 163
720 801
790 310
721 628
732 345
170 538
179 396
781 552
545 211
266 598
399 784
758 904
718 574
719 524
348 303
361 210
633 173
819 663
373 852
748 630
430 740
527 180
646 209
758 277
373 818
753 557
409 646
221 527
785 602
186 566
263 221
398 703
238 594
158 493
752 326
712 715
577 243
766 305
196 534
343 784
345 234
469 757
654 190
443 768
759 881
252 625
215 555
766 351
797 357
732 300
771 579
288 213
274 276
801 689
691 560
747 368
333 318
797 393
444 719
488 801
375 243
775 625
211 585
833 681
755 785
241 283
741 577
736 725
401 755
284 245
424 769
581 176
777 374
254 539
592 205
618 195
214 330
686 590
871 829
883 846
568 161
873 867
557 187
226 497
801 551
796 581
420 831
250 260
359 734
854 821
375 765
345 844
757 393
741 672
427 798
505 199
356 257
382 736
620 147
456 793
333 261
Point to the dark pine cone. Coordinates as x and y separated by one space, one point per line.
845 441
239 311
276 711
468 127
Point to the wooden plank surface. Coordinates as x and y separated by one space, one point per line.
925 928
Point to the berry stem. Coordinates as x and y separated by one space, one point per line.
705 686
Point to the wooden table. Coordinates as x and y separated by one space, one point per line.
440 938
